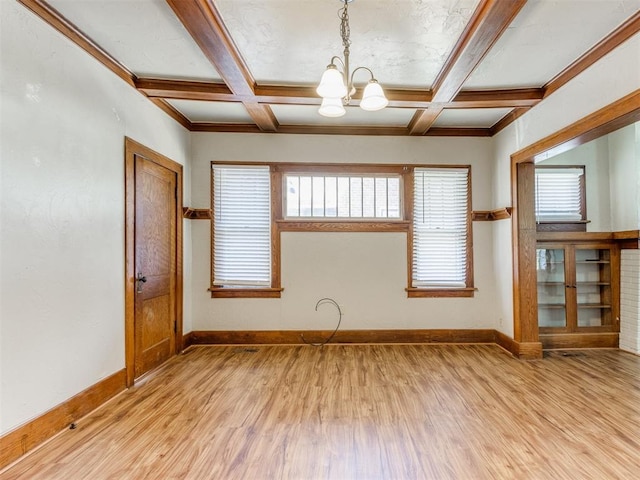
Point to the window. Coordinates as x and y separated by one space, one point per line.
241 228
342 196
560 197
252 204
441 229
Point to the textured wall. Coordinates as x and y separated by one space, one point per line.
64 119
365 272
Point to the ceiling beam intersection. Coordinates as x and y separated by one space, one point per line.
487 24
204 23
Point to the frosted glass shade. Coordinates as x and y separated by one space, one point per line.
332 107
373 97
332 84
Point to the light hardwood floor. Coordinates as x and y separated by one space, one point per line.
360 412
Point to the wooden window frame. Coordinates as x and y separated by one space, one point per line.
340 224
421 292
275 290
567 225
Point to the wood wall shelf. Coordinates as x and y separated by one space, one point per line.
196 213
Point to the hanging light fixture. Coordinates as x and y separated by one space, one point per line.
336 85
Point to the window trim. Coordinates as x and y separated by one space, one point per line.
281 224
564 225
424 292
275 290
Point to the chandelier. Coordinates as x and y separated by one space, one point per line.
336 86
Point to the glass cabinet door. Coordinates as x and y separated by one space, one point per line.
593 287
552 308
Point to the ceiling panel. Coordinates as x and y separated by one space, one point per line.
470 117
404 42
224 112
144 35
308 115
545 38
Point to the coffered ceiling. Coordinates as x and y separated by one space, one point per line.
448 67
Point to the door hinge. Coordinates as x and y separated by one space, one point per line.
175 192
175 326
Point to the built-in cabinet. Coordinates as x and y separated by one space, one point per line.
578 290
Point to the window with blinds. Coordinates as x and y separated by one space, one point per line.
241 226
441 219
342 196
559 194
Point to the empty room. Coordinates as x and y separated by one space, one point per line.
323 239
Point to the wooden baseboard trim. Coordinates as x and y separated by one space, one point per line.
522 350
28 436
562 341
294 337
187 340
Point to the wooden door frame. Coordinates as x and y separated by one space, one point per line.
614 116
133 149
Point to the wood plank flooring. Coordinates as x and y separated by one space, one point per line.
360 412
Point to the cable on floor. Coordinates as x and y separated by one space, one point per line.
335 304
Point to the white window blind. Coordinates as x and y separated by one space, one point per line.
559 194
440 227
242 226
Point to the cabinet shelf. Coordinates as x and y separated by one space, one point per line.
593 305
578 288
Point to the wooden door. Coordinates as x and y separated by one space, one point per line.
155 322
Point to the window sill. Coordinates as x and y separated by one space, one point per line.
440 292
331 225
222 292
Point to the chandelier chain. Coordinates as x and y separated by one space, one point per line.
345 31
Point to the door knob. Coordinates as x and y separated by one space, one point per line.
140 279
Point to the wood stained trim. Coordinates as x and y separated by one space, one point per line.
612 41
28 436
133 149
196 213
563 341
337 226
51 16
491 215
612 117
205 25
487 24
293 337
525 351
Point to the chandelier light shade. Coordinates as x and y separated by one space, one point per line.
373 97
336 85
332 107
332 84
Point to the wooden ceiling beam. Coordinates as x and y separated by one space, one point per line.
612 41
423 120
204 23
51 16
338 130
489 21
305 95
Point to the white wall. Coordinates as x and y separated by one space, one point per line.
364 272
593 89
624 152
64 118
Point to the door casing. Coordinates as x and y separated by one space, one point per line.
133 149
